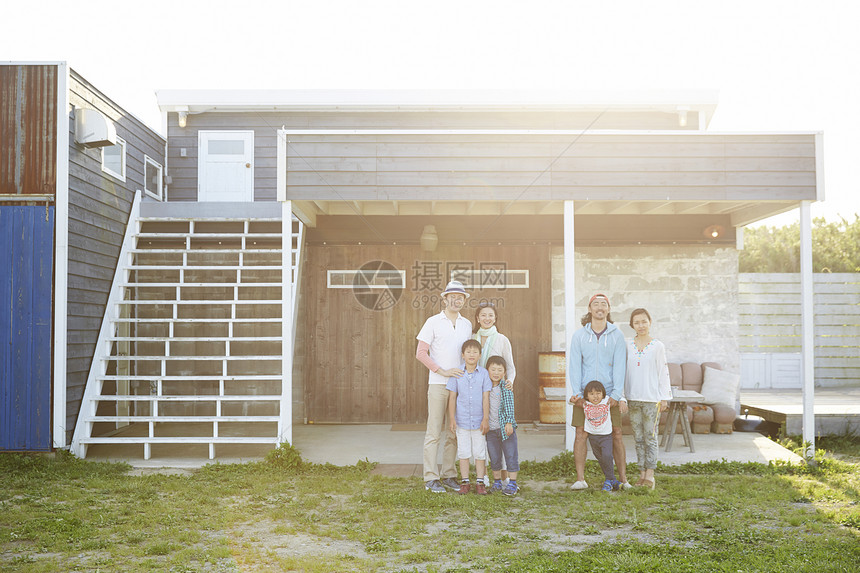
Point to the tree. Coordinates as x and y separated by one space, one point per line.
835 248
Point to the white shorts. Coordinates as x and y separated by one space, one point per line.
471 443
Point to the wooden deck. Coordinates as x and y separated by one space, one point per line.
837 410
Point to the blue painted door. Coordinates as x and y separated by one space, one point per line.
26 271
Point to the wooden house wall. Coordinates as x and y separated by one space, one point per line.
28 129
361 363
183 170
536 167
99 206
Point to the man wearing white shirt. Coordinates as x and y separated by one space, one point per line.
439 349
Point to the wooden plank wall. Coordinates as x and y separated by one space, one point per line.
99 205
360 364
647 166
769 320
183 168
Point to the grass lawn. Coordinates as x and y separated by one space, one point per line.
64 514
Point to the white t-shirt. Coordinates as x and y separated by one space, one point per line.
597 418
446 342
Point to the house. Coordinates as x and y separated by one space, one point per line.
304 237
71 163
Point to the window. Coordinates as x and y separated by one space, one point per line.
113 159
492 278
152 179
367 278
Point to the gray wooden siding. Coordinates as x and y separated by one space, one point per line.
183 170
528 167
643 166
98 213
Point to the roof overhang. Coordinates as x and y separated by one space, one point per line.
702 102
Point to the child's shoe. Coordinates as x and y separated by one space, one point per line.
497 487
608 485
465 487
616 485
480 489
511 489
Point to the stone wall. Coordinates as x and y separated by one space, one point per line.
691 292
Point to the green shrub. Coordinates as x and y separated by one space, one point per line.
285 457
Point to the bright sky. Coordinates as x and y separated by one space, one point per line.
779 65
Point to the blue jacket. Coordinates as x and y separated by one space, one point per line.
592 359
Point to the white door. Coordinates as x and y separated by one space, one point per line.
226 166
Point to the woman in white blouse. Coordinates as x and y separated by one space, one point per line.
647 389
493 343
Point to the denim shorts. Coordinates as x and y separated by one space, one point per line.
497 447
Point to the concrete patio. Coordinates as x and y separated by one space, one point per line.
401 446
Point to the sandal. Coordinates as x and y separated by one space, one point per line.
649 483
640 483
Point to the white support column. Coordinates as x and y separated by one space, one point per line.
281 174
61 258
569 315
285 421
807 329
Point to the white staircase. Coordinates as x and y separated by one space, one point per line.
193 344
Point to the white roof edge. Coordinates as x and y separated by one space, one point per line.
170 100
33 63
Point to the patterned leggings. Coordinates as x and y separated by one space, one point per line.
644 417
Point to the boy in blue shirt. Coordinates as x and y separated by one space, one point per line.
469 413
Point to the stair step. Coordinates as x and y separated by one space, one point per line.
234 338
208 284
194 398
220 320
208 377
204 267
182 419
199 235
210 219
204 251
191 357
201 301
181 440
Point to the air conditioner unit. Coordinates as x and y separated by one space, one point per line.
93 129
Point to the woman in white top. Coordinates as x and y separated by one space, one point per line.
493 343
647 389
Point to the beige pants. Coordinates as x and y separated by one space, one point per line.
437 430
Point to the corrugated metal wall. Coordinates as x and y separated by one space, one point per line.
28 129
27 261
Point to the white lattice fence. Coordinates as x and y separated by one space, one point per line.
769 323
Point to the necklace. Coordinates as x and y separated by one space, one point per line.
639 352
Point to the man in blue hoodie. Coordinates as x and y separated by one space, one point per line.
598 352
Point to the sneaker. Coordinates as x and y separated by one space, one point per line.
434 486
577 485
608 485
480 489
616 485
465 487
510 490
451 484
625 485
496 487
